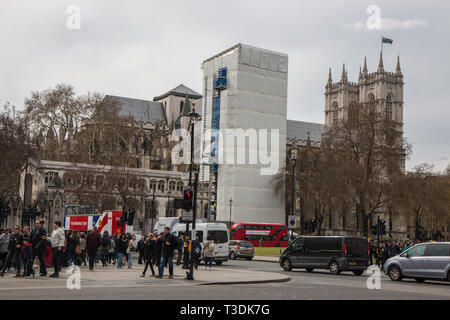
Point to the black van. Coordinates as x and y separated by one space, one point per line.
334 253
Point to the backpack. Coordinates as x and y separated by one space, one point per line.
105 241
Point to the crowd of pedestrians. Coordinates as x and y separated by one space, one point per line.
387 249
20 248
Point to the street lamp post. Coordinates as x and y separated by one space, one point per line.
294 160
231 204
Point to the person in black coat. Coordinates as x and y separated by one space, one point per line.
140 247
169 243
148 253
158 246
122 246
38 244
14 251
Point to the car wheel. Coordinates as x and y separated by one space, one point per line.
287 266
232 256
334 268
309 269
394 273
448 276
358 272
420 280
219 263
249 258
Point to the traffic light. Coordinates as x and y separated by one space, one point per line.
188 195
313 226
382 226
130 218
124 217
374 229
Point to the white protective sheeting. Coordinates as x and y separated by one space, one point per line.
255 101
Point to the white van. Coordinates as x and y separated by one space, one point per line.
218 231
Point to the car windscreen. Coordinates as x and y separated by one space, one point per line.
356 247
219 236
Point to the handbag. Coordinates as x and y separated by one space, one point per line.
78 249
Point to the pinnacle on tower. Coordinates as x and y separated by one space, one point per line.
365 66
344 74
380 64
330 80
398 70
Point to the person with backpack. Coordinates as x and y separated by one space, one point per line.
197 251
208 251
180 243
104 248
168 245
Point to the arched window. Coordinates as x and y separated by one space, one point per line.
353 115
161 185
153 185
334 107
180 186
172 185
181 107
389 108
371 97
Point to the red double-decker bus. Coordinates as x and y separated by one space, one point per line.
270 234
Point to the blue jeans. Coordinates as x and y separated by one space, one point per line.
130 259
119 260
169 260
208 260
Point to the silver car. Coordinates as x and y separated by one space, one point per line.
423 261
241 249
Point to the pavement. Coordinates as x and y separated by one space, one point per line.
266 259
111 277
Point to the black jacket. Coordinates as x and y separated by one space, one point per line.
15 239
149 248
122 246
36 241
167 249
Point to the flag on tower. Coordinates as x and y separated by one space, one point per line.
386 40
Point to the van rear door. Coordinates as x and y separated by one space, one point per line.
356 247
220 238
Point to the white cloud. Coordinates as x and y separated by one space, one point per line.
390 24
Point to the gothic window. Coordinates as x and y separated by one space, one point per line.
353 115
389 108
153 185
161 185
334 107
371 97
179 186
172 185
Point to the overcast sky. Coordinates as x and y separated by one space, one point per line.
142 49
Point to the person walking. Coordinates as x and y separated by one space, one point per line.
112 249
149 250
197 251
14 252
27 254
132 247
104 249
140 249
122 247
39 245
72 242
92 245
57 238
158 247
168 244
180 243
82 248
4 244
208 251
